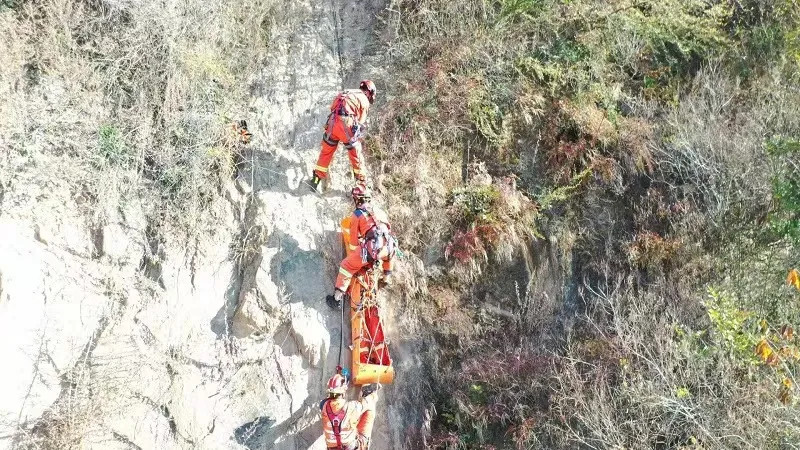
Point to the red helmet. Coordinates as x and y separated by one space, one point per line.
337 384
368 87
361 193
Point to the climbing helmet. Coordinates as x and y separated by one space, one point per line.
337 384
361 193
368 87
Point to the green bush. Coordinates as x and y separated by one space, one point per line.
785 216
111 145
475 204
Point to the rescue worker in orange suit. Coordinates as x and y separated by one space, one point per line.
379 246
364 217
347 425
346 124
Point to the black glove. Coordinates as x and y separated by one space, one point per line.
369 389
333 302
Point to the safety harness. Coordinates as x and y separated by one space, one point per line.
336 422
380 237
339 110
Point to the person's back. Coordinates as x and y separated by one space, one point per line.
347 414
345 423
362 221
351 103
346 125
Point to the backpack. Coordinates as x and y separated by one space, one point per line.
376 239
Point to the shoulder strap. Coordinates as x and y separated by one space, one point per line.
339 106
336 421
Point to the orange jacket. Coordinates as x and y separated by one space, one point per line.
354 103
355 412
362 221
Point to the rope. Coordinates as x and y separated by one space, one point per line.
341 332
275 172
338 37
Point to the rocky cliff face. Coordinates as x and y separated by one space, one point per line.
115 336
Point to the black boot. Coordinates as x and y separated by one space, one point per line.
315 179
332 302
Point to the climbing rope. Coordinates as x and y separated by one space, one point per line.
341 331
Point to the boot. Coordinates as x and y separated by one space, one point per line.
315 179
335 300
358 178
332 302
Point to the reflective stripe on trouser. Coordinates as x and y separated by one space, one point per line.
349 266
338 133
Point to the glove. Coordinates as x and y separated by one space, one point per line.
358 131
335 300
368 389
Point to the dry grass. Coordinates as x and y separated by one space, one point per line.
129 100
106 104
638 130
652 383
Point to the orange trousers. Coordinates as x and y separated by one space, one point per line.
339 130
352 264
364 428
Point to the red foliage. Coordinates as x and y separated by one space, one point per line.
467 245
521 433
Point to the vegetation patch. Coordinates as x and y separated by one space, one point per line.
637 128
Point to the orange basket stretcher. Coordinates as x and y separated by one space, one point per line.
371 361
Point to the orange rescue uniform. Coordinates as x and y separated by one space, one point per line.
361 222
355 261
356 422
348 113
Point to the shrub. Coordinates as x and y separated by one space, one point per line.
678 386
475 204
785 216
638 127
111 145
649 250
488 219
497 398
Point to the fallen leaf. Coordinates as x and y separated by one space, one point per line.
772 360
785 391
794 278
764 351
787 332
